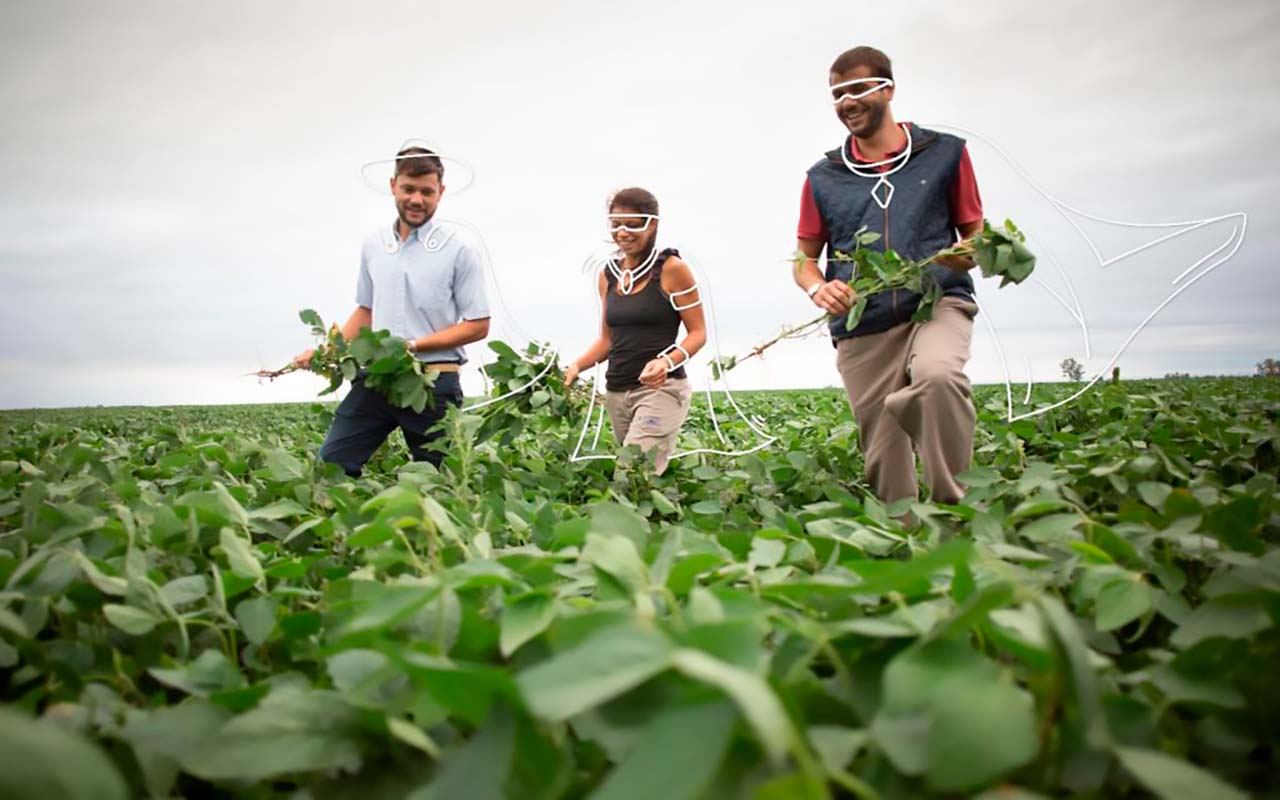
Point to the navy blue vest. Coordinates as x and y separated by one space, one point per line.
917 222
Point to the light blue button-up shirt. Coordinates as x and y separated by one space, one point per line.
426 283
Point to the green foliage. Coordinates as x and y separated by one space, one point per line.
998 252
190 606
383 361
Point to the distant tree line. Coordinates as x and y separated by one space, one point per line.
1073 370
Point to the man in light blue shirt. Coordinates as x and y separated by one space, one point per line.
423 281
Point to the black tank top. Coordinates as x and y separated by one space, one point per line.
641 324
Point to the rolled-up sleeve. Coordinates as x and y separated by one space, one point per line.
468 285
364 284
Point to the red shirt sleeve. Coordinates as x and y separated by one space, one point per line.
810 226
966 203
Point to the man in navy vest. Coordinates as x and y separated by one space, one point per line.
916 188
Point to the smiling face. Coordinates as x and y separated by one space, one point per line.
416 197
863 104
632 231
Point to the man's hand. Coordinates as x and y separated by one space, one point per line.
571 373
835 297
303 359
654 373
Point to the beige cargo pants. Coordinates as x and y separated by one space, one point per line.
649 417
907 388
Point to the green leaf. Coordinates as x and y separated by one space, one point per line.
751 692
1229 616
979 476
661 503
1051 529
42 761
231 505
133 621
1154 494
163 738
372 534
676 757
837 746
1180 688
477 770
283 466
413 736
107 584
617 556
351 668
240 556
524 618
1174 779
181 591
210 672
897 577
707 507
257 618
441 519
381 606
766 552
855 314
292 730
1122 601
609 663
942 693
1074 655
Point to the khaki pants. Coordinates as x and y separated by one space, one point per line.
907 387
649 417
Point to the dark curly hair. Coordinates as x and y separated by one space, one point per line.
641 201
428 164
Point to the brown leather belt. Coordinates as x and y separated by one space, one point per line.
443 366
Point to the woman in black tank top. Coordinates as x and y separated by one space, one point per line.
646 295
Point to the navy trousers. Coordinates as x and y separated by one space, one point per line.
365 419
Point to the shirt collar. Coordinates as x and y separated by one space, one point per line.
422 231
858 157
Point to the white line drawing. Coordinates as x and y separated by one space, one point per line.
377 174
444 231
882 190
595 265
1070 213
627 278
507 319
874 85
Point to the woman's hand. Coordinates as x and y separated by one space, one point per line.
571 373
654 373
303 360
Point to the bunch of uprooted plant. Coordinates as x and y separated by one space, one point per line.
384 361
386 366
998 251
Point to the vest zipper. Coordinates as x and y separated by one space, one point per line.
894 299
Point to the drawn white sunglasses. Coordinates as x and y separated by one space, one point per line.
874 85
614 227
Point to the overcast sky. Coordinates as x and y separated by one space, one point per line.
178 179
